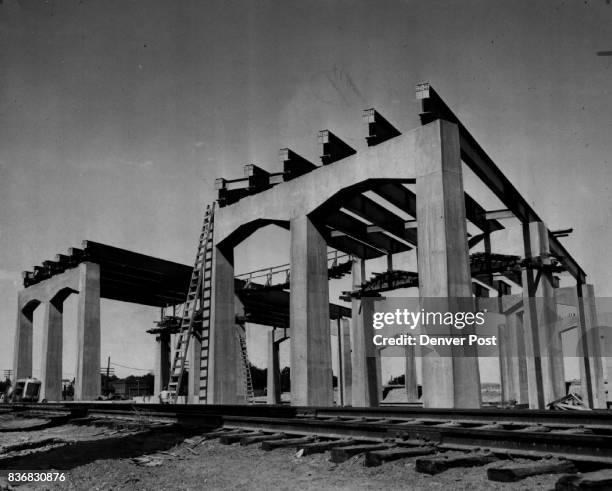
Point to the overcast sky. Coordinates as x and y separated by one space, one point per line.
117 116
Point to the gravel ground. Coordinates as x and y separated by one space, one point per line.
173 462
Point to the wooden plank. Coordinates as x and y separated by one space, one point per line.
589 480
516 472
435 465
378 457
341 454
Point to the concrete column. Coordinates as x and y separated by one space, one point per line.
223 376
195 368
273 384
410 375
162 362
22 356
591 335
52 343
87 386
517 365
311 368
364 357
544 354
345 360
443 264
505 377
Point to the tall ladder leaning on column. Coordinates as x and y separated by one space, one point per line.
249 393
196 312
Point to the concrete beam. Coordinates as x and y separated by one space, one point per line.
443 263
311 370
393 161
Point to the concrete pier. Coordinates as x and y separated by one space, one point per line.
273 382
162 362
410 375
448 382
364 356
87 384
544 354
52 343
22 356
311 369
223 376
345 361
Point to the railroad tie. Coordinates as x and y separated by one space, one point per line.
220 433
440 463
248 440
516 472
340 454
320 447
589 480
236 437
289 442
378 457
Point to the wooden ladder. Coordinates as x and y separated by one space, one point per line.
249 393
196 312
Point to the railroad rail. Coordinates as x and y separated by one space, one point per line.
582 439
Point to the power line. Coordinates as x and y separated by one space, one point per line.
131 368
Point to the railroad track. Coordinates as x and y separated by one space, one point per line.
439 439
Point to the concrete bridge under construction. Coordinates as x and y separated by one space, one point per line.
404 192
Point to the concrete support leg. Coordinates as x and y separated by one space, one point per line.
410 375
162 362
311 368
365 386
546 379
22 356
345 360
448 381
591 344
87 386
52 343
273 384
195 369
223 377
517 365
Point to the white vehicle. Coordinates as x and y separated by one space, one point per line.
25 390
166 397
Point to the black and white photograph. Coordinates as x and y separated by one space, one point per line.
305 245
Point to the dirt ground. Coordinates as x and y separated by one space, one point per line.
119 458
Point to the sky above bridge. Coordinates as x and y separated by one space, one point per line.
116 117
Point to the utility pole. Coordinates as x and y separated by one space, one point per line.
107 374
